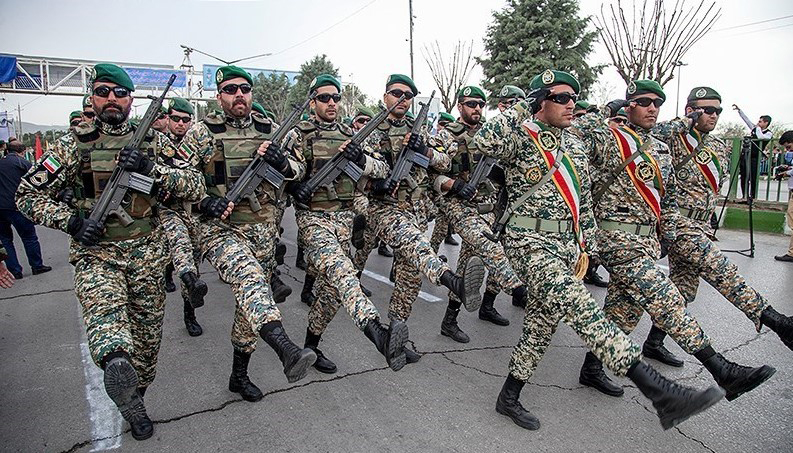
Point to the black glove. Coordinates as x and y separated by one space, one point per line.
133 160
384 187
416 143
615 106
213 206
462 189
66 196
536 97
301 193
85 231
276 158
354 153
694 115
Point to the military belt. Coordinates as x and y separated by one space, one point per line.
695 214
541 225
634 228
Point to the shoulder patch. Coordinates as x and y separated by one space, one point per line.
455 128
43 174
346 130
306 126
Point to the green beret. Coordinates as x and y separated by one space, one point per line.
471 92
550 78
87 101
163 110
363 111
403 79
410 115
639 87
622 112
511 91
581 105
443 116
108 72
324 80
181 105
229 72
258 108
75 114
269 114
305 117
698 93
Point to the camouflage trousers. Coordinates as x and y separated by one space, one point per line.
244 256
369 240
470 225
121 288
184 242
560 296
693 256
402 227
326 236
637 284
437 209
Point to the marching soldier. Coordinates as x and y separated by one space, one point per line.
444 119
118 276
549 234
699 161
636 212
238 240
88 109
509 96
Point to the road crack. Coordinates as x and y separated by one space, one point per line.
52 291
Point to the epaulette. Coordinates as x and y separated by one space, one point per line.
261 123
455 128
306 126
86 132
216 122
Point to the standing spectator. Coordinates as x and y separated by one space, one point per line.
12 167
759 137
787 141
6 278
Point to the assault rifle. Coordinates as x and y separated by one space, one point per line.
482 171
407 157
122 181
339 164
258 170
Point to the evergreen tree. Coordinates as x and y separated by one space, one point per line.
308 70
273 93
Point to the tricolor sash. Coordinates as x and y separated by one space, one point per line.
643 170
706 160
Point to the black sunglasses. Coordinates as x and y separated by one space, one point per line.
362 120
562 98
103 91
74 123
710 110
579 114
397 93
619 120
474 104
89 114
510 102
326 97
645 102
232 88
177 118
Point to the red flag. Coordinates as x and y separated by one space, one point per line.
39 151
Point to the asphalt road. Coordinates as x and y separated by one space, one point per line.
52 397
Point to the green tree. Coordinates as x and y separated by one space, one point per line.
351 98
529 36
320 64
272 92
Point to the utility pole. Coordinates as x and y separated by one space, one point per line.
679 65
19 119
410 10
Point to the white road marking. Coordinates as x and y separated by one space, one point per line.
105 418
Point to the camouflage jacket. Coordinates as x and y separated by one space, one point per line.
59 169
693 190
621 201
505 138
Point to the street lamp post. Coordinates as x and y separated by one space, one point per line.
679 65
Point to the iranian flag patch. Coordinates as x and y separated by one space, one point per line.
51 164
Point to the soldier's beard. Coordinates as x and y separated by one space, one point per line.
113 117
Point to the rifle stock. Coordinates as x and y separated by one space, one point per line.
408 157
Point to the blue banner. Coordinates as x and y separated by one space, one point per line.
156 78
8 69
210 70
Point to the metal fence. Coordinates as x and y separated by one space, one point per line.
767 188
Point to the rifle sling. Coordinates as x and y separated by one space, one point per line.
596 197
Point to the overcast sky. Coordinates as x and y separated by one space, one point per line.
749 65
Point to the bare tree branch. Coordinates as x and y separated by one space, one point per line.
449 76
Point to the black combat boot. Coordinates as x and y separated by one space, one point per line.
280 290
323 364
296 361
520 296
142 391
382 250
169 284
358 229
673 402
467 287
779 323
193 328
196 287
488 313
449 239
365 290
593 278
592 375
508 404
280 253
654 348
411 356
449 327
300 260
239 381
733 378
392 272
390 342
121 385
307 294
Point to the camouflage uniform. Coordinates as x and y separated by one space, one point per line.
693 254
325 226
242 247
545 259
636 283
469 223
401 223
119 283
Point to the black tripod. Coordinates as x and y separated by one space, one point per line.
747 146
